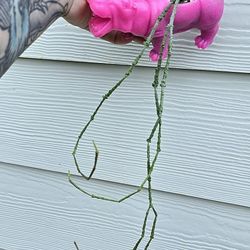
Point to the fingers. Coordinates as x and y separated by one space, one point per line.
118 37
138 39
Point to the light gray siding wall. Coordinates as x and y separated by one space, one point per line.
201 183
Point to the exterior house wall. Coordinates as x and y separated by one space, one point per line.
201 183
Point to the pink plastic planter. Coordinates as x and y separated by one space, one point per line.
138 17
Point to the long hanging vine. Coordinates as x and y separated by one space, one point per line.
159 85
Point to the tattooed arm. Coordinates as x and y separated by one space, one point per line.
22 21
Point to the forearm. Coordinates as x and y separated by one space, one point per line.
21 22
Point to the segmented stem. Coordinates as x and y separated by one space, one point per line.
159 102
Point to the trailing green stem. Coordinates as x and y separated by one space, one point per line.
158 123
110 92
159 101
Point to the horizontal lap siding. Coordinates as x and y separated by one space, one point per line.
41 210
230 51
206 144
205 151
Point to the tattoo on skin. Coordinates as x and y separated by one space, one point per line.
21 22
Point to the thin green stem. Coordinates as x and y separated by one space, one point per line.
152 234
105 97
158 69
159 101
139 189
143 229
158 123
110 92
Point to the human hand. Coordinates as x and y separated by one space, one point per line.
78 13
